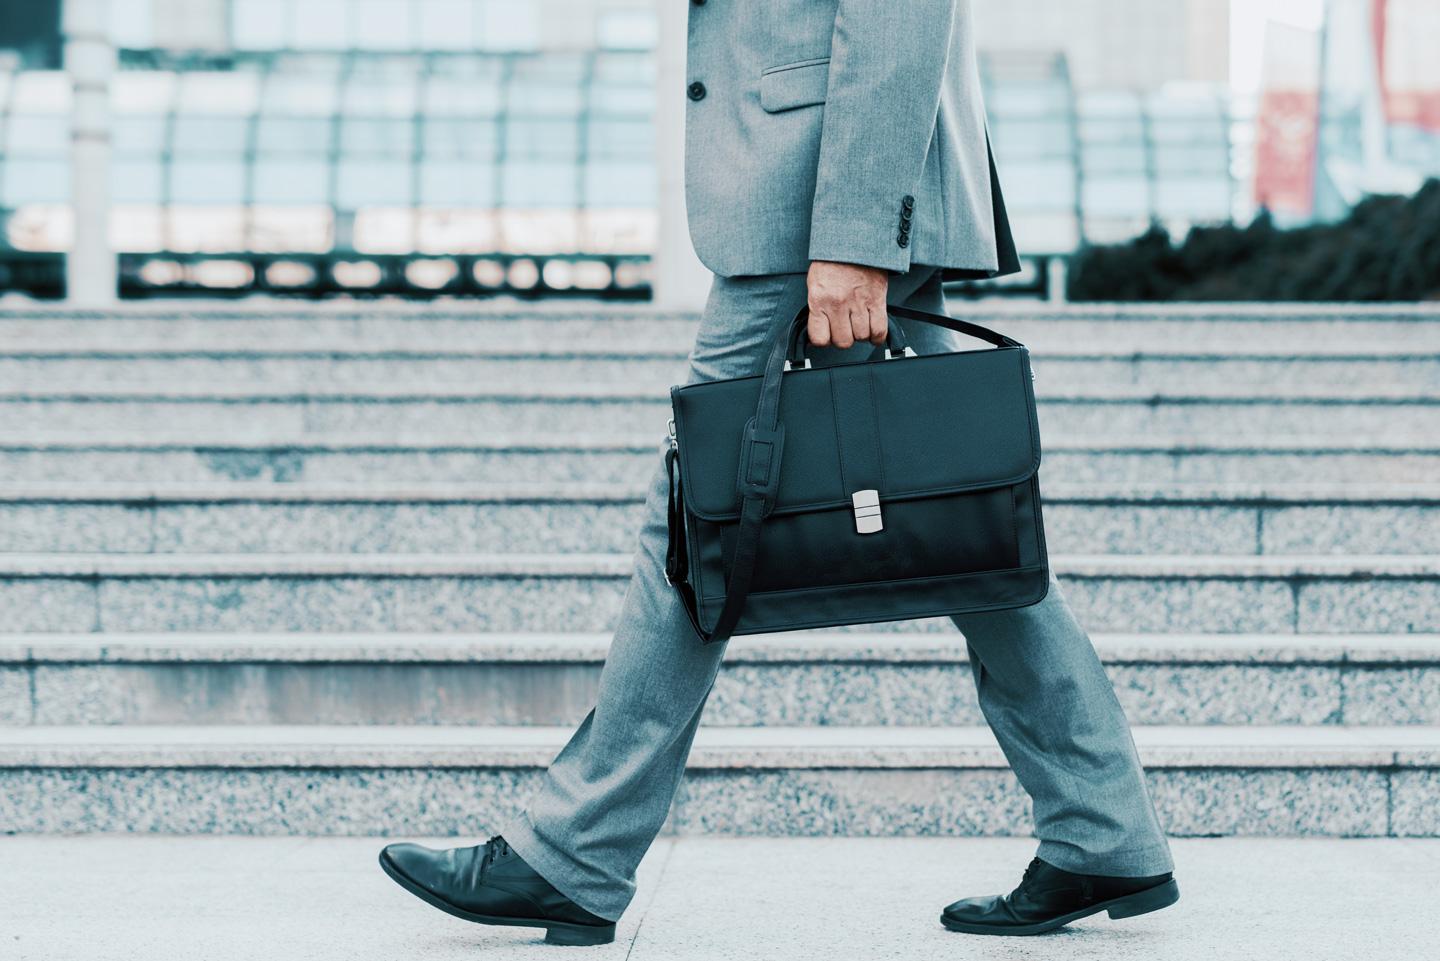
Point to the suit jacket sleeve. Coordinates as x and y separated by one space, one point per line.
887 63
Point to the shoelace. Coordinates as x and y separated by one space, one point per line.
496 847
477 860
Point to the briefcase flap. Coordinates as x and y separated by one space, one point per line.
907 428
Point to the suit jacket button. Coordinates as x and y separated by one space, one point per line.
696 91
698 3
908 201
903 240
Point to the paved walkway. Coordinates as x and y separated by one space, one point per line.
108 898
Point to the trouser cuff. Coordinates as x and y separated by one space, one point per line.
565 874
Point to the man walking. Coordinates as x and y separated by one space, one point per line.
836 156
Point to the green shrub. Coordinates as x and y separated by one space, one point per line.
1386 249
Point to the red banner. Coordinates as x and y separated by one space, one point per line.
1286 140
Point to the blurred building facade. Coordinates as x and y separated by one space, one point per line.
430 146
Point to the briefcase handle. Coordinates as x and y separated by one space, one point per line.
895 339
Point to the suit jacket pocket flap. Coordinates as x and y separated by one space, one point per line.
794 85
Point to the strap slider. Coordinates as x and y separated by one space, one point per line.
760 454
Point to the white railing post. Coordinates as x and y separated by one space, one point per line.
91 271
679 280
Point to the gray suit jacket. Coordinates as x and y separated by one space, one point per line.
845 130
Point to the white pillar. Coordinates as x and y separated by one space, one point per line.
91 271
680 281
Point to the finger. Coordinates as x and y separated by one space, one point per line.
879 326
819 327
841 331
860 322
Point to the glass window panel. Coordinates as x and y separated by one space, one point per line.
393 138
540 184
1112 197
620 138
41 226
380 97
1039 185
298 95
292 229
456 231
321 25
41 91
219 93
1109 103
212 229
384 25
507 25
632 29
211 135
137 228
369 182
622 100
542 138
1017 101
290 135
137 181
131 24
1107 159
450 184
447 24
35 134
456 96
1018 139
196 181
629 68
1213 159
1195 199
142 91
456 140
1117 130
260 24
384 231
620 185
291 180
34 181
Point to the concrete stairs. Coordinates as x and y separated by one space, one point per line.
350 569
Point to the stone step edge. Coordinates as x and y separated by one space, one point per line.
803 648
370 746
65 349
636 443
570 393
189 566
1248 494
1252 311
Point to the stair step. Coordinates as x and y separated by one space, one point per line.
553 518
525 592
1282 328
782 781
1216 416
822 678
76 369
605 457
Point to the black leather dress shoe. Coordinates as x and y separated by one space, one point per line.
1048 898
491 884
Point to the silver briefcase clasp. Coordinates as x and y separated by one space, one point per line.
867 512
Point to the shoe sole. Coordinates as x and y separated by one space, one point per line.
556 932
1128 906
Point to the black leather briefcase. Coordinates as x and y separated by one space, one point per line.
899 487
